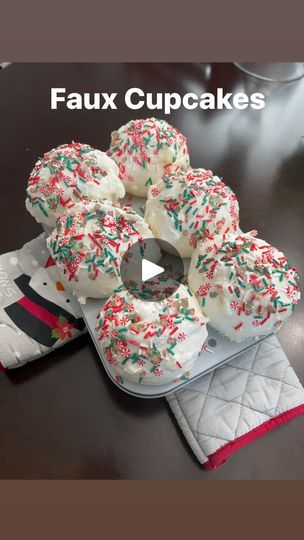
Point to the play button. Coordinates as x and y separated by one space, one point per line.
149 272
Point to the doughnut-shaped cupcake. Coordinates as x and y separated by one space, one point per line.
188 207
89 242
68 174
245 286
151 342
143 149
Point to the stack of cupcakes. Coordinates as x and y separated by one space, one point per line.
243 286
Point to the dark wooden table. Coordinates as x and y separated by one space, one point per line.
61 417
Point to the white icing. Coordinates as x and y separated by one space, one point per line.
157 365
188 206
239 294
143 149
84 220
67 174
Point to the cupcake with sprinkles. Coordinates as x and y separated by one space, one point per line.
245 286
151 342
68 174
144 149
89 242
189 207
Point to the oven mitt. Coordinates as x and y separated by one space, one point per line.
37 314
237 403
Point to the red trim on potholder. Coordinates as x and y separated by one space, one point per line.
219 457
2 368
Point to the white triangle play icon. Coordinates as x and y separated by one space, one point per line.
150 270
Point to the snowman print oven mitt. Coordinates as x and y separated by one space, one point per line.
37 313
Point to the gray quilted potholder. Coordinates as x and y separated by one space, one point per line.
237 403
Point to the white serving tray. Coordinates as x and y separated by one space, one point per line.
218 349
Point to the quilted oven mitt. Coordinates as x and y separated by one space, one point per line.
37 314
237 403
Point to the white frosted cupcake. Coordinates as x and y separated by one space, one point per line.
68 174
143 149
245 286
188 207
152 342
88 244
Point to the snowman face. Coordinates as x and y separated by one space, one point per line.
46 282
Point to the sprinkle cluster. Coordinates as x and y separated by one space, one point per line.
59 176
201 207
157 288
261 281
141 141
129 340
94 239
